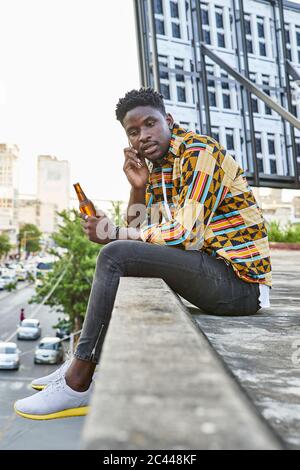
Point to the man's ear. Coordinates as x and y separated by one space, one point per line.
170 121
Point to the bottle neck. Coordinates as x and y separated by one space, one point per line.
80 194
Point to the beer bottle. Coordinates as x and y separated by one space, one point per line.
85 205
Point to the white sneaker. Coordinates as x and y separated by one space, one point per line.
57 400
42 382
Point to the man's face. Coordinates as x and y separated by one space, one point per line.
148 131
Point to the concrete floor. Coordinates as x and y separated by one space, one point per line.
263 351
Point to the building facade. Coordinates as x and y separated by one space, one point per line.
53 191
176 55
9 156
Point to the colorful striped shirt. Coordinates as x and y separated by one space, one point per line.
198 198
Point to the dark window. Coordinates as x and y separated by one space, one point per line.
294 110
287 36
298 38
258 144
249 46
179 77
158 7
163 73
207 37
215 135
212 98
262 49
219 20
299 57
165 90
226 101
181 94
160 26
229 142
271 145
260 165
289 54
254 105
260 30
225 85
210 81
268 110
221 40
174 10
176 30
205 18
247 27
273 167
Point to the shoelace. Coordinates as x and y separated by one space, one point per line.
54 386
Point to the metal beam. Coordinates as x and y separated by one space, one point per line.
288 90
251 87
203 68
155 64
249 98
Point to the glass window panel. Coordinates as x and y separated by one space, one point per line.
176 30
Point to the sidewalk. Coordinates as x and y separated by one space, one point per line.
21 285
261 351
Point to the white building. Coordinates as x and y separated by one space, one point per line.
53 190
176 54
9 155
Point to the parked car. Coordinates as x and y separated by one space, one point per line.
63 329
49 351
29 329
21 274
4 281
9 356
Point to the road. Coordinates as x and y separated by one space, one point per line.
17 433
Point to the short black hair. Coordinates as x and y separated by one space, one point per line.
141 97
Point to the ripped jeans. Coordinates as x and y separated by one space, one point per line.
205 281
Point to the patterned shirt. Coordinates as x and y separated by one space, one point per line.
210 206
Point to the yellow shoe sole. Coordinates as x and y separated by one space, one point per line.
72 412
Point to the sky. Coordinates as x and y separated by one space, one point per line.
63 66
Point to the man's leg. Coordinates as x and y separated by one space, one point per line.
205 281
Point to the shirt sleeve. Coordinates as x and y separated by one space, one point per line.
206 176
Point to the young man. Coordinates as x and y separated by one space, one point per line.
199 228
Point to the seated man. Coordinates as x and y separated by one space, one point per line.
199 229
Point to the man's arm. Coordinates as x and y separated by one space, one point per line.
137 173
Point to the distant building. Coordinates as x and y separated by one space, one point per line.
53 180
275 208
9 156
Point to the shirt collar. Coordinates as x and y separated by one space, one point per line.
178 134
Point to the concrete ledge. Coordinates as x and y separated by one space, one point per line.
162 386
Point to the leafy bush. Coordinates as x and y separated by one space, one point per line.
289 234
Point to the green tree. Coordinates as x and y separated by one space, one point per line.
78 260
116 212
30 238
5 245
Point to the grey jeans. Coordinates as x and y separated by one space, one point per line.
205 281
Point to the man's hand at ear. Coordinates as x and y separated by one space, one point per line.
102 230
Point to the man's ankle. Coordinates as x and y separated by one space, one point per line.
77 386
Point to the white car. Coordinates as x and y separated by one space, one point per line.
9 356
29 329
49 351
5 280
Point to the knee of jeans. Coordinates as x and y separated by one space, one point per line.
116 250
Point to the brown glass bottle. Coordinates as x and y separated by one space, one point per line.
85 205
